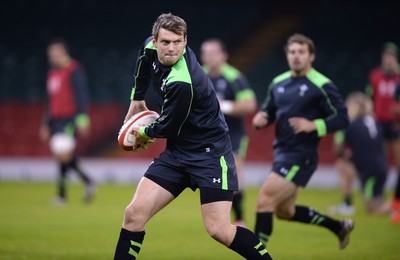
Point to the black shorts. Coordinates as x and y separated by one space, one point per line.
391 130
175 175
297 172
63 125
372 183
239 145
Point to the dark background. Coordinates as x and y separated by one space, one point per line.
105 37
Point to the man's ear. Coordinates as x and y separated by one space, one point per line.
154 42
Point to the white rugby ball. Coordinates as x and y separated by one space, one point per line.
126 140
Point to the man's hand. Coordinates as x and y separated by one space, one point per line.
135 107
84 131
142 143
260 120
44 133
300 124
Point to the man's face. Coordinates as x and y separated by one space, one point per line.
57 55
389 62
169 46
212 55
299 57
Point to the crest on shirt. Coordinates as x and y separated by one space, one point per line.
303 88
280 89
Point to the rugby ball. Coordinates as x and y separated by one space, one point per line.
126 140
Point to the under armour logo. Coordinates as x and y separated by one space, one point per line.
215 180
283 170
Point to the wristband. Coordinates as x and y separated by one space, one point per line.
226 107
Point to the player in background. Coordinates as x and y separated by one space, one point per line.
347 175
306 106
364 138
236 100
198 153
381 88
66 116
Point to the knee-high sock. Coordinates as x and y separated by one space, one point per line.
75 165
310 216
263 227
62 181
248 245
129 244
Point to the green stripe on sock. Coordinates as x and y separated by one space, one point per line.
263 251
133 252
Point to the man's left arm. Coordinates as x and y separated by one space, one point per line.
178 100
244 103
80 87
333 108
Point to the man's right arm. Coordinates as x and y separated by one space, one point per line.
266 115
141 81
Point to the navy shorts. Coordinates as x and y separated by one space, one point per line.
63 125
175 175
372 183
391 130
297 172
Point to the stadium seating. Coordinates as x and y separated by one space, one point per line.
19 131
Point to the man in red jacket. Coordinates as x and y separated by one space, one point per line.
66 115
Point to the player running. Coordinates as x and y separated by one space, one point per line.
198 152
236 100
305 106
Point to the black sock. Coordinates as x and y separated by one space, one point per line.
74 165
62 181
248 245
129 244
237 205
348 200
397 190
263 227
310 216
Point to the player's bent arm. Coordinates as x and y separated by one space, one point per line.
135 107
260 120
238 108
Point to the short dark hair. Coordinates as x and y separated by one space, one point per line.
221 44
171 23
302 39
60 41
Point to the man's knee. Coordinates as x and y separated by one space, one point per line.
222 233
284 213
134 218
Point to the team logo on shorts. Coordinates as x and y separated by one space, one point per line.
283 170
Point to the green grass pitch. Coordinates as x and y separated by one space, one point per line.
31 228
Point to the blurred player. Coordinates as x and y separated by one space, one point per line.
66 115
236 100
306 106
198 152
382 85
347 175
364 137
